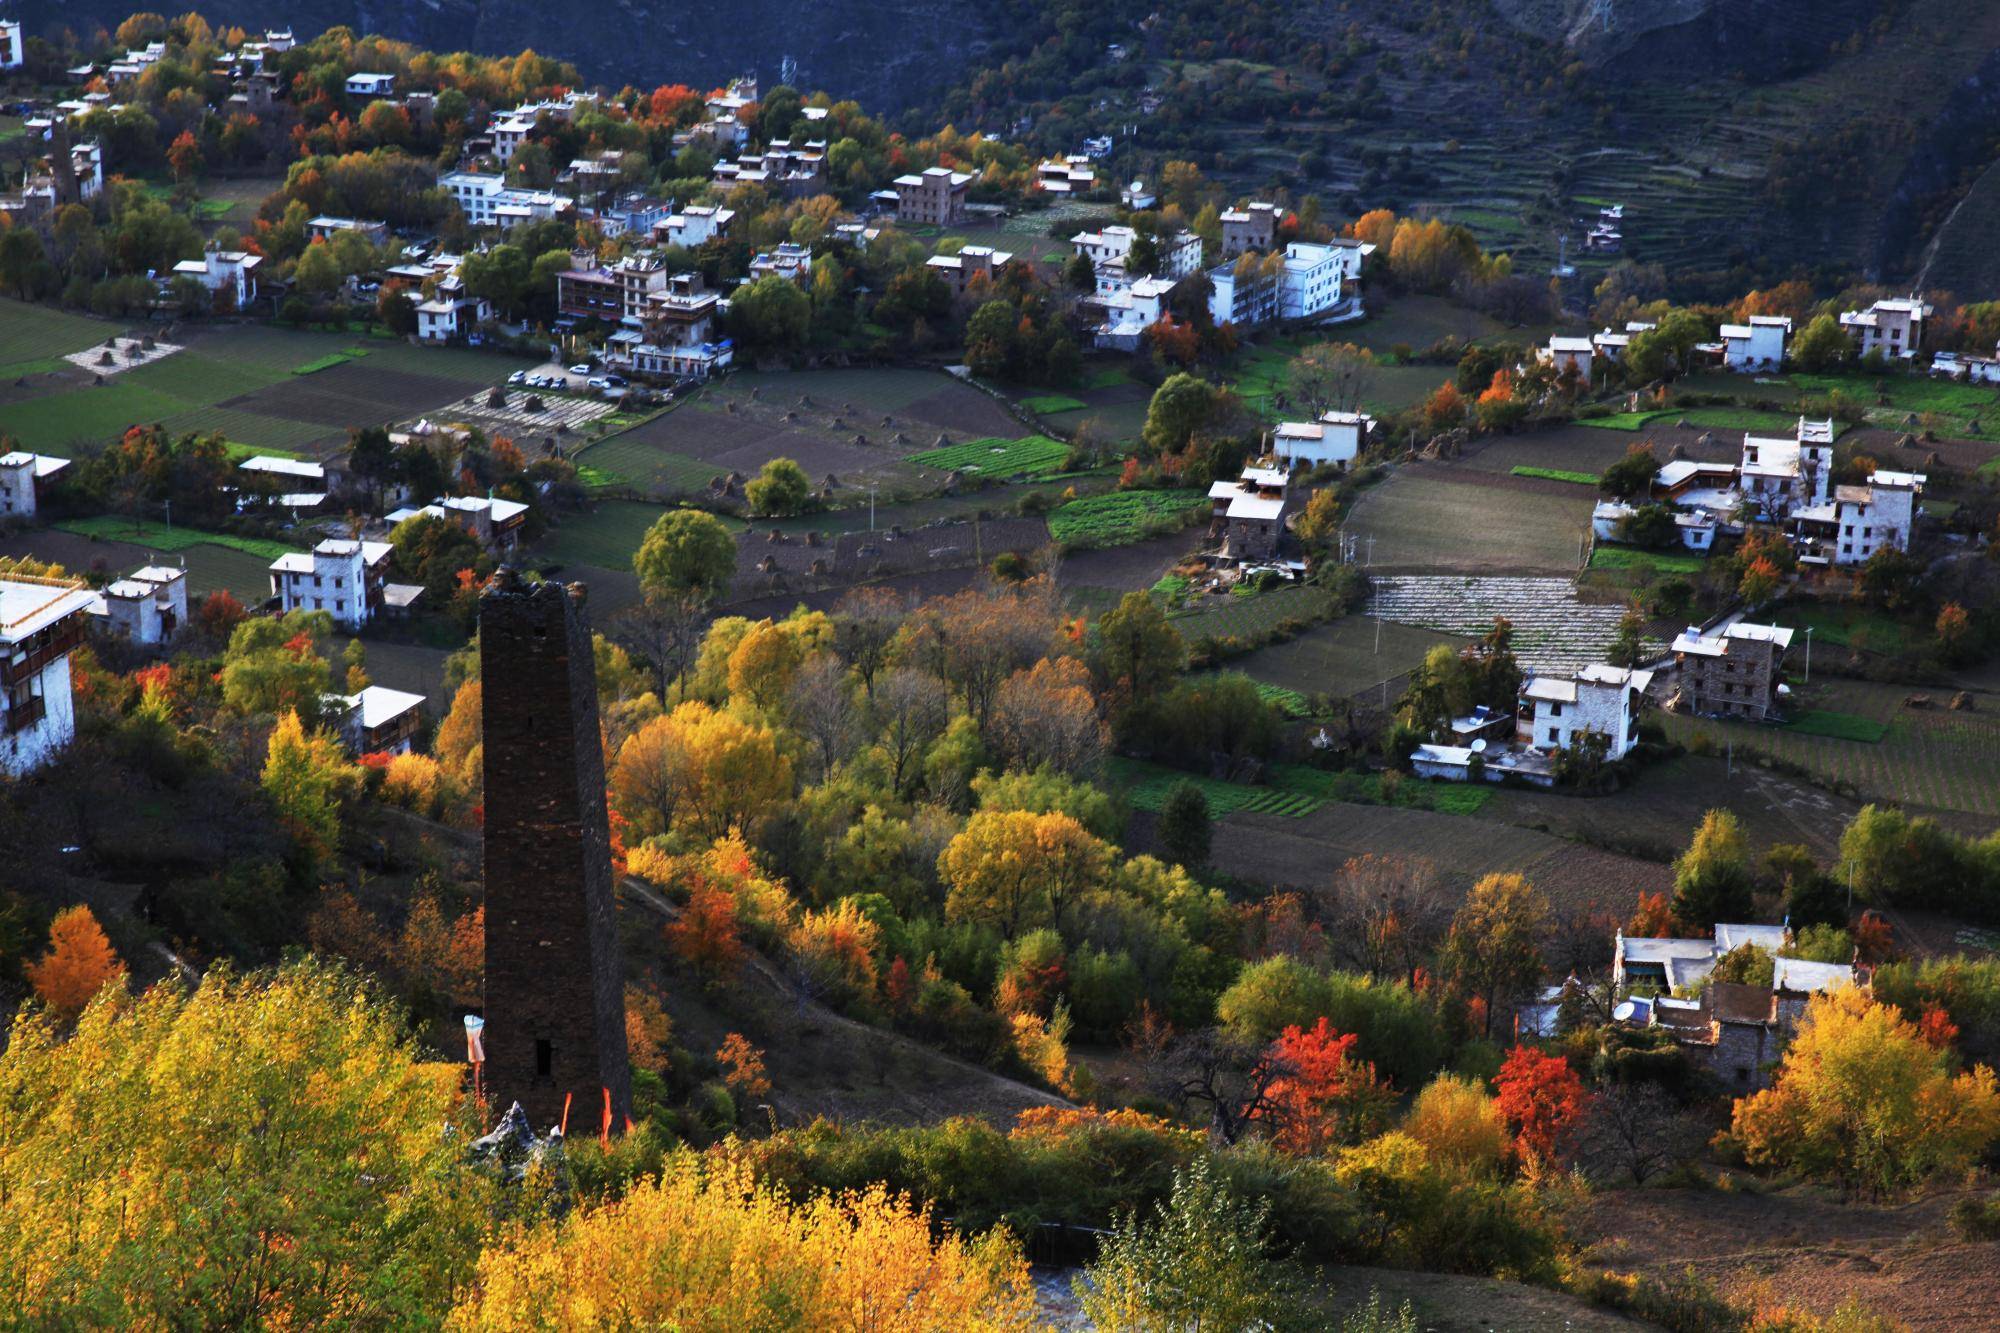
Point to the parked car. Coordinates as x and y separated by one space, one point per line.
518 377
580 368
599 382
615 381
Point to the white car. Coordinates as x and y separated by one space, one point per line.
518 377
581 368
599 382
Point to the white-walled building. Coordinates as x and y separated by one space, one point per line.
148 605
1757 345
1311 281
336 576
1601 699
446 319
23 479
13 51
1337 437
1893 327
694 226
1066 175
1128 314
41 624
219 270
1566 354
1858 521
1109 251
292 483
488 201
1778 476
371 85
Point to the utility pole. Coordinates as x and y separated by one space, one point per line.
1378 636
871 506
1808 679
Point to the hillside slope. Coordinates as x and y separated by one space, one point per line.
884 52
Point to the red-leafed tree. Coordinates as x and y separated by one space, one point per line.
1543 1100
1322 1095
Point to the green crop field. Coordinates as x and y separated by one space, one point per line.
1840 726
1556 474
636 462
117 528
1935 758
1293 791
1250 617
1342 658
1657 562
1844 625
32 337
1037 455
198 378
1043 404
329 361
1707 418
74 423
1123 516
1960 411
606 537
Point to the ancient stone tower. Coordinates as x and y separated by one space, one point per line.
555 1009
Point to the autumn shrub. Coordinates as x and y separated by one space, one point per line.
414 782
1041 1045
708 1246
833 952
1418 1211
1459 1125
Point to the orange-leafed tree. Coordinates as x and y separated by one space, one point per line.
1652 918
648 1030
743 1066
707 936
1543 1100
79 963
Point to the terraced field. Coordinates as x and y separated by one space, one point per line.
1553 630
1292 792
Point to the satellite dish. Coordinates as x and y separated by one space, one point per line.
1625 1010
1479 746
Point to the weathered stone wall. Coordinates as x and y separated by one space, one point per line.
555 1021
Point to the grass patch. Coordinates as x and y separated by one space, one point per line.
1120 517
1633 558
597 476
1042 404
1557 474
1839 726
1105 379
1289 702
117 528
1036 455
329 361
1618 420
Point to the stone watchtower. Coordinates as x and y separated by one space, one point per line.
555 1007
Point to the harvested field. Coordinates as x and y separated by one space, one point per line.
517 422
1553 630
1117 570
1302 852
1936 760
1802 1246
1442 519
354 393
916 587
1341 658
1655 817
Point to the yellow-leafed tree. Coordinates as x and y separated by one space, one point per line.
710 1249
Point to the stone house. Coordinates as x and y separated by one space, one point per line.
1733 673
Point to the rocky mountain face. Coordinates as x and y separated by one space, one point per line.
885 53
1761 38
